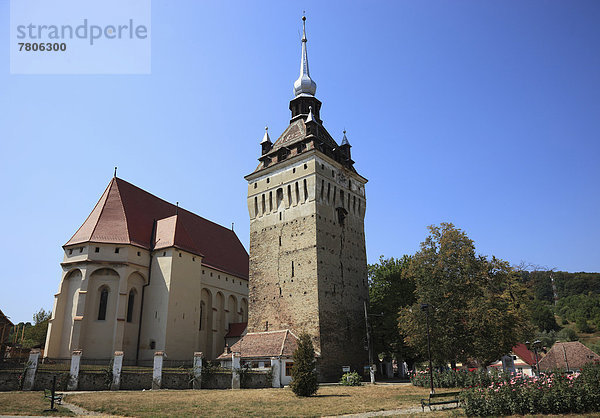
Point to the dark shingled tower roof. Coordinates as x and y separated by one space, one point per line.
125 215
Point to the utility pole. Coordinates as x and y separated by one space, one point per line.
370 348
425 307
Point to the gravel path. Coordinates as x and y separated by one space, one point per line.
77 410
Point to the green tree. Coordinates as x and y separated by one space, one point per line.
34 335
304 377
582 325
543 317
477 305
389 291
567 334
37 333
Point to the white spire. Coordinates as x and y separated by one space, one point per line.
266 137
304 84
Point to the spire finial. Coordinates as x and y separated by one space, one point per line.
115 175
304 27
177 208
304 84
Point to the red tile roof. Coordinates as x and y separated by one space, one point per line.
264 344
524 354
125 214
236 329
574 353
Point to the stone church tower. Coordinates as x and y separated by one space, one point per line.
308 267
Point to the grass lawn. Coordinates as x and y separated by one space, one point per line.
330 400
28 403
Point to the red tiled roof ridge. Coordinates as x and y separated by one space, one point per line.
122 210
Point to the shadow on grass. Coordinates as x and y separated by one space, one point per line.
330 396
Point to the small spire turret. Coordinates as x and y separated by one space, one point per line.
310 117
345 140
266 143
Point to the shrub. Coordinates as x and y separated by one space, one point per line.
454 378
351 379
304 378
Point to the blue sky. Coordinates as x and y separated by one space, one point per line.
484 114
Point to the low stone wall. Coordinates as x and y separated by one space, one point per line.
136 380
93 380
43 380
9 380
216 380
256 380
96 380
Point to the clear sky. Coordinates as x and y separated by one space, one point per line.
481 113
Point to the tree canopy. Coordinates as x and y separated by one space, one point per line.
476 305
390 290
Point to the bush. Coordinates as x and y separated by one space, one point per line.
567 334
454 378
556 393
304 378
351 379
583 326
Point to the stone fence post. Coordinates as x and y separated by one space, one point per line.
157 372
32 364
235 370
276 372
116 371
74 373
197 382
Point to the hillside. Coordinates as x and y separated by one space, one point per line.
565 306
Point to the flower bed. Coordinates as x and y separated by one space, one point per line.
555 393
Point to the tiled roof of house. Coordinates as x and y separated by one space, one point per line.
574 353
524 354
125 215
264 344
236 329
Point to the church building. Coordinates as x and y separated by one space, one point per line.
308 265
142 275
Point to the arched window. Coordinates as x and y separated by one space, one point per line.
103 304
130 304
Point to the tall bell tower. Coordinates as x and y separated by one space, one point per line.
308 266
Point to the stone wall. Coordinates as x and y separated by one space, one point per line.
130 380
9 380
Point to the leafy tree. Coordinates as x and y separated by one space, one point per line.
34 335
304 377
477 305
389 291
543 317
582 325
567 334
